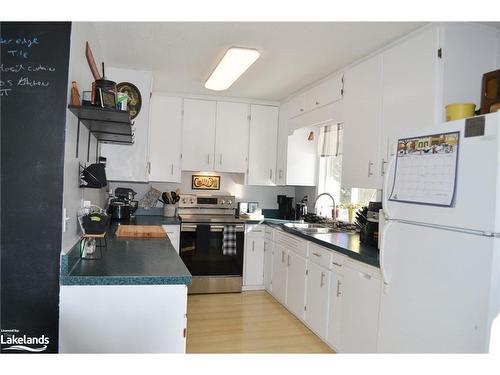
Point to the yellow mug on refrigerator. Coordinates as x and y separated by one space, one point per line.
457 111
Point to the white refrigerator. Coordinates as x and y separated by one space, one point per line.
440 263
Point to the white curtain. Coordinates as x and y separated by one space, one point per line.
330 140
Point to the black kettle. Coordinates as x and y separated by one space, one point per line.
300 211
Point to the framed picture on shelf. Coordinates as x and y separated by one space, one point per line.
201 182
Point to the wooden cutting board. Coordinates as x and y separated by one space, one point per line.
140 231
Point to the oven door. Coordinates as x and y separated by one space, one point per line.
203 253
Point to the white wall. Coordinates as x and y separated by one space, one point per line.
232 183
498 49
79 71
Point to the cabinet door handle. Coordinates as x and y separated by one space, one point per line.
172 169
282 257
253 245
281 173
321 282
301 110
220 159
288 261
337 264
370 164
317 255
317 103
338 288
382 167
208 158
271 174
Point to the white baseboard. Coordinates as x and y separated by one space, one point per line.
252 287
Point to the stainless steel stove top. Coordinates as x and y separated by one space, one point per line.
208 209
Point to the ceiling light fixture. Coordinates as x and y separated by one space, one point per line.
234 63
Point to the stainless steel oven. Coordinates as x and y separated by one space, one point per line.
211 243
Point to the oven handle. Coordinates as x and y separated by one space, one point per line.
213 228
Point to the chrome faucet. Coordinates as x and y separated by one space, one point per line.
333 202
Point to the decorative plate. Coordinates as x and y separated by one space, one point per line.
134 101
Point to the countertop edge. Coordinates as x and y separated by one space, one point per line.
125 280
351 254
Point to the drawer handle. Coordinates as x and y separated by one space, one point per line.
365 276
288 261
282 257
317 255
338 288
337 264
321 282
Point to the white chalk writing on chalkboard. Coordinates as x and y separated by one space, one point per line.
23 74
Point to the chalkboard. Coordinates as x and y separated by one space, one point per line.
33 95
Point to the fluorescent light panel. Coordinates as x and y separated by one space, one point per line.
234 63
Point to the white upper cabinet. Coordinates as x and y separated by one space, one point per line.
282 144
262 145
302 157
165 133
327 91
296 105
410 87
231 137
198 135
129 162
463 69
361 159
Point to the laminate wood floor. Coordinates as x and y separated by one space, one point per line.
247 322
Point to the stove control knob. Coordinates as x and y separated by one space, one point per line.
222 201
192 201
184 200
229 202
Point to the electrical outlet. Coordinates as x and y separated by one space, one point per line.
65 220
87 203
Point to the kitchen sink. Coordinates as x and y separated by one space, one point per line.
313 228
309 228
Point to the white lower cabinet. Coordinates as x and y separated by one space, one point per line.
360 294
279 275
337 297
335 309
296 285
253 273
106 318
268 264
317 293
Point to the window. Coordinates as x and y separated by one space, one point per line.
330 167
347 200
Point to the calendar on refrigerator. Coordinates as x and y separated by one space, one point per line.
426 169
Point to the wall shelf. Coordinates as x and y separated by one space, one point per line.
107 125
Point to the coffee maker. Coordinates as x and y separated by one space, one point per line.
370 232
285 208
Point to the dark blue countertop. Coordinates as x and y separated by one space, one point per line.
128 261
345 243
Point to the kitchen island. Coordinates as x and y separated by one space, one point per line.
132 300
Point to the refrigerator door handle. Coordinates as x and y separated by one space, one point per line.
388 184
383 254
